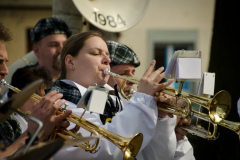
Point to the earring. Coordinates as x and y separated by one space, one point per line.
71 66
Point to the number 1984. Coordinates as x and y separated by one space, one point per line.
109 20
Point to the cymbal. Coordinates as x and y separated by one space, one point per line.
43 151
11 105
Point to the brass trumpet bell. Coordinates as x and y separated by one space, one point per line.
219 106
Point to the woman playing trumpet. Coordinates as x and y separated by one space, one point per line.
84 58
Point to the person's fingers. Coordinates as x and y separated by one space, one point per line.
161 114
162 94
163 97
168 100
44 99
50 106
157 94
170 115
185 121
166 84
54 107
149 70
181 102
75 129
56 97
53 100
161 86
159 98
181 131
48 100
49 95
63 124
163 110
179 137
178 119
62 116
174 100
157 75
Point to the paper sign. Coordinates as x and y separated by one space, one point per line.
82 103
208 83
170 71
188 69
97 101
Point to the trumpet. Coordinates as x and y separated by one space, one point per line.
129 146
234 126
218 106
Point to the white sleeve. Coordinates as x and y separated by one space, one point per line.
163 143
139 116
184 150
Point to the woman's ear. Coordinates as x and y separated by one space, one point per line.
69 62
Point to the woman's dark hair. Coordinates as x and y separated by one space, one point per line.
28 74
73 45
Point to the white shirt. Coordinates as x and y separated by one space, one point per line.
138 116
164 145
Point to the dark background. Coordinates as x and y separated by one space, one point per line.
224 62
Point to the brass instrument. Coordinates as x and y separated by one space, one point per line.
234 126
129 146
218 106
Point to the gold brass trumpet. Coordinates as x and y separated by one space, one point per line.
218 106
129 146
234 126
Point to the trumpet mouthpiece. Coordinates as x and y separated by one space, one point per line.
107 72
3 82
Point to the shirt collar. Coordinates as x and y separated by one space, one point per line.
80 88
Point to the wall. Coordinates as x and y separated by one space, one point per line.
18 21
160 15
172 15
